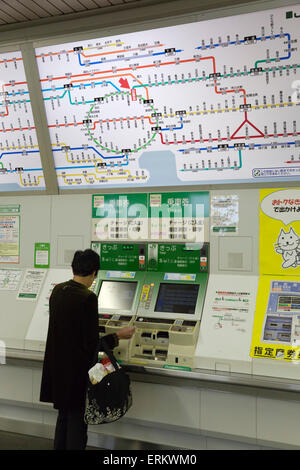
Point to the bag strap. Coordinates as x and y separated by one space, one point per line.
110 355
102 346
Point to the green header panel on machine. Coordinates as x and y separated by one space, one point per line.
155 257
179 258
123 256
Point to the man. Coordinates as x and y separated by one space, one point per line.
70 348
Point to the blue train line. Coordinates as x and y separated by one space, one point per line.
243 41
240 148
126 163
171 128
66 91
121 58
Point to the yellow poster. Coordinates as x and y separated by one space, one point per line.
276 328
279 232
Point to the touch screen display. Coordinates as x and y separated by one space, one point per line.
177 298
118 295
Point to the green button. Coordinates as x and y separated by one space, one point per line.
177 367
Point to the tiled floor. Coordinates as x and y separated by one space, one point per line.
12 441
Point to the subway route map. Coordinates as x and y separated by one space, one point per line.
215 101
20 162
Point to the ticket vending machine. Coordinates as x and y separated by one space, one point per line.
119 286
170 309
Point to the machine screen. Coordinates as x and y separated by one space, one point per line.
177 298
118 295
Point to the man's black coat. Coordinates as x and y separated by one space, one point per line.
71 344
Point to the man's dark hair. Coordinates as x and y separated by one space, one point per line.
85 262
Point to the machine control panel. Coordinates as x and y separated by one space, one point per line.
110 324
163 341
183 326
146 295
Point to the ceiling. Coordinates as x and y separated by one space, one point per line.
35 20
24 11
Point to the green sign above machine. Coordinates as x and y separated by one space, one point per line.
124 256
179 204
120 217
179 258
165 217
155 257
121 206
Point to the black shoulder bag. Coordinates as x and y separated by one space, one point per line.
111 398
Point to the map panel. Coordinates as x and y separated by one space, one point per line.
20 162
209 102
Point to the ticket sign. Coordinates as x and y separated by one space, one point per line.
177 257
178 216
168 217
120 205
119 217
125 256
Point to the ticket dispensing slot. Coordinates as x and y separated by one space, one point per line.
151 340
111 324
165 341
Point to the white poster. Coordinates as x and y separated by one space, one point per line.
9 238
31 284
10 279
224 213
227 321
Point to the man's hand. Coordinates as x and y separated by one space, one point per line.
126 332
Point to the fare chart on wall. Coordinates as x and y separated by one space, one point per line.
211 101
20 161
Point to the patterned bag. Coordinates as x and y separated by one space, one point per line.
109 399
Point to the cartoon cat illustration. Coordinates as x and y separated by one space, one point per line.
288 245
